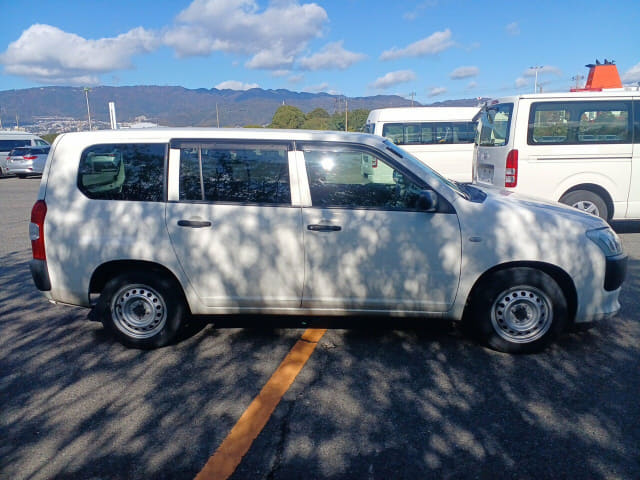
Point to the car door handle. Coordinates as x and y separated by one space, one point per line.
324 228
193 223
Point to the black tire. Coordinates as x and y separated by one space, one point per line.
520 310
588 202
142 310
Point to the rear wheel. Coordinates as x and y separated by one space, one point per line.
588 202
520 310
141 310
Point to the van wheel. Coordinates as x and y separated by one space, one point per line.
520 310
588 202
142 310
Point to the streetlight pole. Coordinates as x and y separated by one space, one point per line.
535 84
86 94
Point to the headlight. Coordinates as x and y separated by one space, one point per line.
607 240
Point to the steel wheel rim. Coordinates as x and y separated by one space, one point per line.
587 206
522 314
138 311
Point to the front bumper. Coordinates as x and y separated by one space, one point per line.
615 273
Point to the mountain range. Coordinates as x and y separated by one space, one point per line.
177 106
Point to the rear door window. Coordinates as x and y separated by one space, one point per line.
235 173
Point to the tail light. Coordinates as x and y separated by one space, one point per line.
29 157
36 230
374 163
511 171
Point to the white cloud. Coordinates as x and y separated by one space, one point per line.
435 91
632 75
280 73
521 82
531 72
472 85
273 36
46 54
393 78
272 59
332 56
435 43
464 72
417 11
236 85
513 29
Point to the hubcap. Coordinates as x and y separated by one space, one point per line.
522 314
587 206
138 311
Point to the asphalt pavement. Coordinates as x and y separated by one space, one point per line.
378 399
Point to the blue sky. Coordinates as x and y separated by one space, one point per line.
433 49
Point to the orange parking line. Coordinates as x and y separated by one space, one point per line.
229 454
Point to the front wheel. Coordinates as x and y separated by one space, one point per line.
141 310
588 202
520 310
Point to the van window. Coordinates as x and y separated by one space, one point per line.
572 123
128 171
429 133
495 123
8 145
235 173
354 178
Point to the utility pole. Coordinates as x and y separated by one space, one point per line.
346 113
86 94
217 116
577 79
413 94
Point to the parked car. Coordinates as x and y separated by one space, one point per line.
147 226
578 148
27 161
10 139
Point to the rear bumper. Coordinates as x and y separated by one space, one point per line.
40 274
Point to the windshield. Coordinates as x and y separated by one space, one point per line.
459 189
495 123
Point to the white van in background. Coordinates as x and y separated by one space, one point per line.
580 148
441 137
10 139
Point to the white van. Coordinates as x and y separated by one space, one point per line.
10 139
441 137
580 148
148 226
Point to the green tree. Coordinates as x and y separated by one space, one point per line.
317 119
356 120
288 116
50 137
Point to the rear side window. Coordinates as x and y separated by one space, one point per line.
235 173
430 133
575 123
8 145
127 171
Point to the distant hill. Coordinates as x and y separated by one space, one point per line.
178 106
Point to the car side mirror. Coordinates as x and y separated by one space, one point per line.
427 201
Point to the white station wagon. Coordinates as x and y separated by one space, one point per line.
149 226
